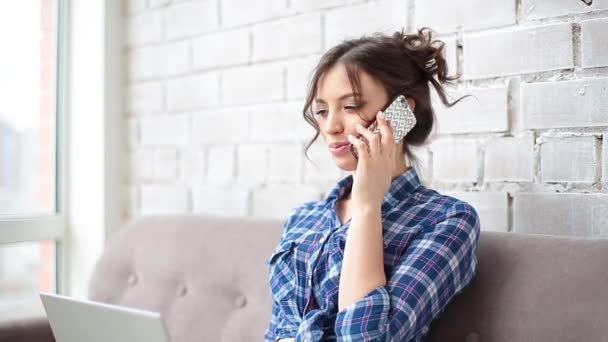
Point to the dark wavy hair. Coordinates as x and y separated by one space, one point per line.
404 63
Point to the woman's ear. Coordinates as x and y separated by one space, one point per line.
411 102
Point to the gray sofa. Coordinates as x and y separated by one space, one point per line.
208 276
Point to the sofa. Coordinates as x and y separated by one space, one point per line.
208 276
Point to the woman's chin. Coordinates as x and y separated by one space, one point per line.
346 163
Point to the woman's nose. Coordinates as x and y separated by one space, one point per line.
333 123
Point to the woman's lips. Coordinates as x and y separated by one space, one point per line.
340 150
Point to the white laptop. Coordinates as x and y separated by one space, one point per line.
74 320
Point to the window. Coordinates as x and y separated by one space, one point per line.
32 154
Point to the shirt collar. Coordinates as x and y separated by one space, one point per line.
401 186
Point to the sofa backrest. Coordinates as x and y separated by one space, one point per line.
207 275
209 278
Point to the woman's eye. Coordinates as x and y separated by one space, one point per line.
351 107
320 112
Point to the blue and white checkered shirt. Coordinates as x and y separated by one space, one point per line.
430 243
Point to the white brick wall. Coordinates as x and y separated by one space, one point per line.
215 89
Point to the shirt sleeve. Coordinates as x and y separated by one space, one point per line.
436 265
279 327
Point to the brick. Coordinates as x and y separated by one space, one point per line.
451 54
221 164
145 98
509 159
158 61
299 74
133 6
161 199
568 159
243 85
285 163
141 163
287 37
193 165
165 164
169 130
469 15
241 12
132 125
132 209
485 111
220 201
158 3
144 28
324 168
384 16
191 18
221 49
605 156
309 5
542 48
594 43
277 201
276 122
570 214
455 160
538 9
252 165
221 126
193 92
579 103
153 164
492 208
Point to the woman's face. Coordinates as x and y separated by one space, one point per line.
337 113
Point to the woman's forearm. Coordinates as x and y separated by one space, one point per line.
363 263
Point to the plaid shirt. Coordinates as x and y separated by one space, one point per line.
430 243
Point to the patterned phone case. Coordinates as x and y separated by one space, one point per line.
401 118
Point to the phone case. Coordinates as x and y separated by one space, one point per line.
401 117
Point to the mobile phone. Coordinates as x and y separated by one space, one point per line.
401 117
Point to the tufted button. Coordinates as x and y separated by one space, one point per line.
472 337
181 290
132 279
240 301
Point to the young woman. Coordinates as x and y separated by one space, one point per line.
382 255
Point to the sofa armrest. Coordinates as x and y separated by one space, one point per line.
30 329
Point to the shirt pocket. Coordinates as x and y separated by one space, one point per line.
283 277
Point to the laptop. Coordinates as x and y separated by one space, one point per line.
75 320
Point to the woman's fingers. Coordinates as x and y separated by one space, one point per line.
373 139
362 149
386 131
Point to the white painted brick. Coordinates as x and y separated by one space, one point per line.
485 111
594 43
510 159
276 122
158 61
492 208
133 6
164 130
455 160
252 165
221 164
568 159
449 15
191 18
221 49
277 201
158 3
141 162
451 54
308 5
193 165
132 202
568 214
161 199
324 168
579 103
384 16
537 9
241 12
605 156
143 98
543 48
299 73
220 201
133 132
165 164
144 28
292 36
193 92
252 84
285 163
225 125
